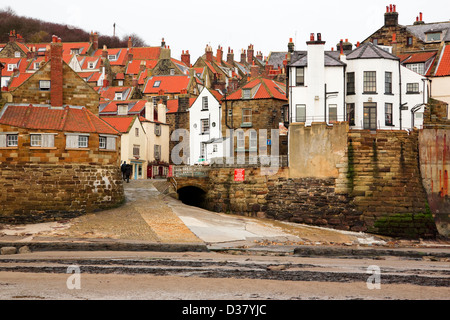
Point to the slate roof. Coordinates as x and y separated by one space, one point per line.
370 51
44 117
420 30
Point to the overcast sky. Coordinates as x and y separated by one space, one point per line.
268 25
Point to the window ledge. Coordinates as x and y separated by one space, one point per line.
389 93
107 150
370 92
43 148
246 125
9 148
412 92
78 149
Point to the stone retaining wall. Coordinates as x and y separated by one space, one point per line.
32 193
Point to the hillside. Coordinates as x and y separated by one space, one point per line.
36 31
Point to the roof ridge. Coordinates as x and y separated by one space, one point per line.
64 118
263 82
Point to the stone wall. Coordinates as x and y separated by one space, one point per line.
43 184
435 167
385 183
32 193
75 91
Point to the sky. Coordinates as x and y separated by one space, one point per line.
193 24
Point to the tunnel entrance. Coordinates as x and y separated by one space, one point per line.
192 196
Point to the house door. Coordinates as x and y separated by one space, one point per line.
149 172
137 169
370 116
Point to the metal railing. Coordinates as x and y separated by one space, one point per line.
191 171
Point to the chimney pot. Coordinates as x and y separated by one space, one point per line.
390 8
393 8
420 14
311 37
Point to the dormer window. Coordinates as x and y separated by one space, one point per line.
75 51
36 65
434 36
172 72
91 65
112 57
11 66
122 109
118 96
156 84
246 93
17 54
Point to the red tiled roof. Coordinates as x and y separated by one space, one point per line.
172 104
146 53
134 66
416 57
170 84
68 119
113 106
121 53
265 89
443 68
17 81
109 93
216 94
120 123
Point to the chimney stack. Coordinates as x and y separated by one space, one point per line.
209 53
163 43
130 43
230 56
219 55
290 46
419 19
391 16
56 73
250 52
104 52
12 36
186 58
243 56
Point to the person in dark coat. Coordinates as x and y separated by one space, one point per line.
123 168
128 171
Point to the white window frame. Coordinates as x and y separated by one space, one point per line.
240 140
204 103
112 57
247 117
204 126
17 54
157 129
297 116
246 93
12 140
136 150
102 142
11 66
91 65
122 109
45 85
118 96
83 141
35 140
157 151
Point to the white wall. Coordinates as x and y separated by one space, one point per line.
196 138
440 90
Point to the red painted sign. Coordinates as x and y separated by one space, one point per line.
239 174
170 174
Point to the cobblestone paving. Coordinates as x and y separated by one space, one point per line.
145 216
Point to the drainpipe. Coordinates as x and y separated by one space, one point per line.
325 104
400 92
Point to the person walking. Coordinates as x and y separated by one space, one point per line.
128 171
123 168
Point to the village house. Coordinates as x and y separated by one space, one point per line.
256 106
66 158
205 128
145 135
367 87
423 47
55 83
